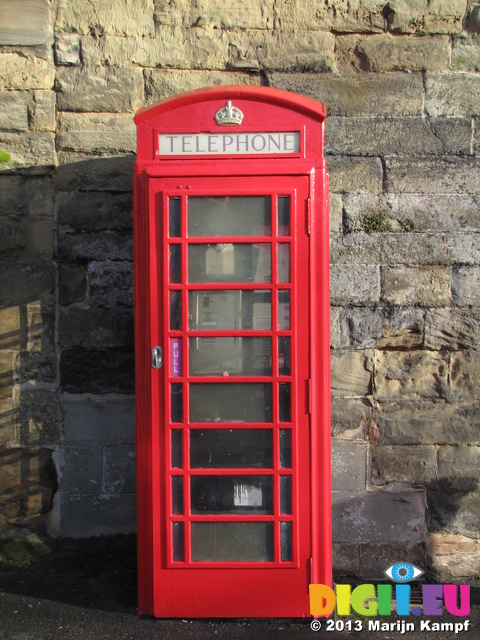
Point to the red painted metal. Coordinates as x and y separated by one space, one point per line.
170 586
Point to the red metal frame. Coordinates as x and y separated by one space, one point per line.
172 588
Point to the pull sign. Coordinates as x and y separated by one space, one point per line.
157 357
176 357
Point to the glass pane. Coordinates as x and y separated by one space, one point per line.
177 494
286 541
232 541
176 396
283 356
174 226
224 310
231 402
284 262
229 216
285 414
284 309
175 263
177 449
230 356
284 215
231 494
229 262
175 310
216 448
178 541
285 448
285 494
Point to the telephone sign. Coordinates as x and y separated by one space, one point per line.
232 354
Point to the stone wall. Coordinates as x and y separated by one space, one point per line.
401 81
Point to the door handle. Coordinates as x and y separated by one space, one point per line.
157 357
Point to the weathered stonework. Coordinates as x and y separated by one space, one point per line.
401 81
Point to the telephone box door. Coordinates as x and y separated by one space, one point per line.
230 403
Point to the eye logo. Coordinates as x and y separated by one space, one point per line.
403 572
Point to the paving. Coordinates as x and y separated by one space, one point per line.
87 589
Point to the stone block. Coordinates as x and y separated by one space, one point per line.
94 211
72 283
459 468
376 557
428 422
419 212
99 89
452 329
27 484
6 373
27 281
67 49
355 16
106 17
107 245
37 417
439 176
415 465
13 111
111 284
425 16
100 371
32 152
8 417
95 328
466 286
463 248
389 248
455 513
351 95
346 560
96 133
383 52
354 286
162 83
336 213
353 175
84 516
98 420
378 517
349 416
384 328
42 107
119 463
25 22
464 376
452 94
466 53
25 72
410 374
454 134
11 335
452 556
36 359
81 470
381 136
408 286
282 50
349 465
350 373
80 171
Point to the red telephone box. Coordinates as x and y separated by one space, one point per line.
232 354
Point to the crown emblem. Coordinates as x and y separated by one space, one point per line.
229 115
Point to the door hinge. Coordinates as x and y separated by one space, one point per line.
309 215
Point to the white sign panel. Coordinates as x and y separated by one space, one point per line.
256 143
